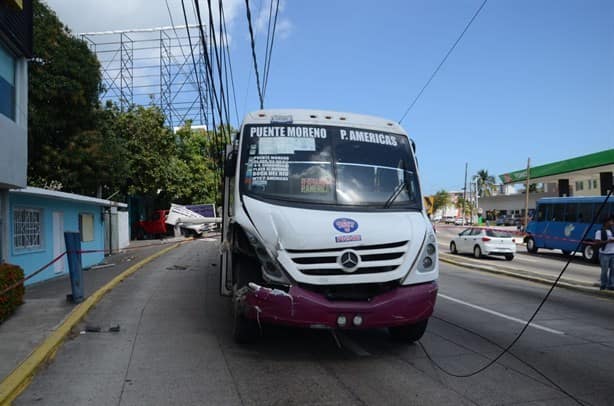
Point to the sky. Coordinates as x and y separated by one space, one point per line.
530 78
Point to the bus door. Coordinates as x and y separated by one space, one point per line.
225 255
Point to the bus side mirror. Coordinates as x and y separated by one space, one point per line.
230 164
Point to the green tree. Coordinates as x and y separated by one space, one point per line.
440 200
485 183
64 83
465 205
151 150
200 183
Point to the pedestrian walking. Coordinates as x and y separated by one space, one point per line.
605 236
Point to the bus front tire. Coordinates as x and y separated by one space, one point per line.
590 254
410 332
531 247
244 270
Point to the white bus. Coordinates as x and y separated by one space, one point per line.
324 226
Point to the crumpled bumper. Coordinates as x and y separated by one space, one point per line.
303 308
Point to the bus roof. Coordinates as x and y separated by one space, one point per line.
305 116
572 199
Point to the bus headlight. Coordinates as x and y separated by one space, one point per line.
428 256
272 271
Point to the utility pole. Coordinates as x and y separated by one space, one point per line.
464 192
526 197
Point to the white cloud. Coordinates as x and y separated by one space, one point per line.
266 11
96 15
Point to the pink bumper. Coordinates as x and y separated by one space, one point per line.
304 308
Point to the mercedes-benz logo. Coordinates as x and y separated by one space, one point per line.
349 260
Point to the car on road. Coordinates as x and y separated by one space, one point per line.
484 241
459 221
448 219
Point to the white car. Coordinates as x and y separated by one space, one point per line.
484 241
459 221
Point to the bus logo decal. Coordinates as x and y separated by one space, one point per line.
345 225
569 229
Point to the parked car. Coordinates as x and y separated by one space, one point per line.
484 241
448 219
459 221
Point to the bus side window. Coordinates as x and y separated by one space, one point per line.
557 212
541 212
604 212
585 212
571 213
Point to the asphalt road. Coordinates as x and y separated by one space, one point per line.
175 347
548 261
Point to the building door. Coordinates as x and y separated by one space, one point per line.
59 246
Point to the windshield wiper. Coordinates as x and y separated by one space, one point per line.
396 192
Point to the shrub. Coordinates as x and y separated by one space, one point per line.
9 275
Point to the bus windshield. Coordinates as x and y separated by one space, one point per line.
329 165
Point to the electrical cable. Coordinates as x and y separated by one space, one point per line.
266 47
211 81
428 82
253 45
528 323
529 365
232 81
200 96
215 52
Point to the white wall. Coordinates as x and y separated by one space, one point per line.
123 228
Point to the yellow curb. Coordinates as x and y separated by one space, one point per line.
18 380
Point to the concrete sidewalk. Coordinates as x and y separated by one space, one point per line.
569 280
45 306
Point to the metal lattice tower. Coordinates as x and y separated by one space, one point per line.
145 66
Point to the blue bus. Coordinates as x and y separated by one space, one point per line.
560 223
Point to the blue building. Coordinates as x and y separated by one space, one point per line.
15 49
38 219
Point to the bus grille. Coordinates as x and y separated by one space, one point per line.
373 259
358 292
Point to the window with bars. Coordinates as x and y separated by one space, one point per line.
27 228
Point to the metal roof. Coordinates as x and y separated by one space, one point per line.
594 160
55 194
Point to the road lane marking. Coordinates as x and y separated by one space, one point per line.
505 316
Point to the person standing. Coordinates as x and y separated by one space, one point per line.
606 253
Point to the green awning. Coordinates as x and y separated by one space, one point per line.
601 158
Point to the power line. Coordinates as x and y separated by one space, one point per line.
428 82
253 44
269 52
200 96
232 81
528 364
537 310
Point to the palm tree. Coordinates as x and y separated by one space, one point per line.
485 183
440 200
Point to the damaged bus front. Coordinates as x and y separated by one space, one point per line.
324 226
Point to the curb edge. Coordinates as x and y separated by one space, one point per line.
19 379
530 277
